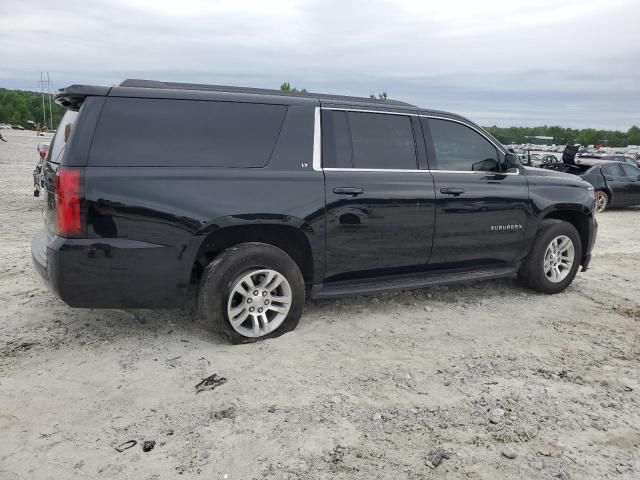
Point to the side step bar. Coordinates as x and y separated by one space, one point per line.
371 286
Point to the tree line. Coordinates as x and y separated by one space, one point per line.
18 107
562 136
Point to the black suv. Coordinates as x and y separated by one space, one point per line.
261 198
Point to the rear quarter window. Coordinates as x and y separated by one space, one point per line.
61 137
153 132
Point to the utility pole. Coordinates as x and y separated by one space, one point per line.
44 109
50 108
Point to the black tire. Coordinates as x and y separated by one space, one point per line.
224 270
532 269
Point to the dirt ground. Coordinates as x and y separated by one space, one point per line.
491 380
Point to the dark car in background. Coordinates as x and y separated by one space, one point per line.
584 159
616 184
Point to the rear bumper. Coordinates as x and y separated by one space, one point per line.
114 273
39 253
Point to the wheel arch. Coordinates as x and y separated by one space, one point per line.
576 217
606 189
289 238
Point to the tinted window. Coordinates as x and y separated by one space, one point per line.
62 136
382 141
613 170
336 149
460 148
151 132
630 171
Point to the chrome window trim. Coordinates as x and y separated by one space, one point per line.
497 147
317 140
397 170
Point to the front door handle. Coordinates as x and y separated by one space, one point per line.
353 191
452 191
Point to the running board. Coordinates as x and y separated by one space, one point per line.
371 286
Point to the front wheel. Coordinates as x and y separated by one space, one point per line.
250 292
554 259
602 201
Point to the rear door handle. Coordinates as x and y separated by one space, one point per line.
354 191
452 190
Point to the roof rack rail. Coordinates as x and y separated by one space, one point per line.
137 83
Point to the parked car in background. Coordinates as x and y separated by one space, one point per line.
607 158
532 159
38 180
537 159
616 184
549 159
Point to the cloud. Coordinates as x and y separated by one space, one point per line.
496 61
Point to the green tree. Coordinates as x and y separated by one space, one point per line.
286 87
380 95
633 136
17 107
562 136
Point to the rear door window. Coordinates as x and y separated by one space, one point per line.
382 141
336 148
629 171
460 148
158 132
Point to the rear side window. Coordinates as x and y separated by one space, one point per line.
460 148
613 170
336 149
630 171
62 136
382 141
152 132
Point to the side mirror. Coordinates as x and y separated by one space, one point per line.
511 161
487 165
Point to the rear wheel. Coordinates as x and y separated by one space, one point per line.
250 292
554 259
602 201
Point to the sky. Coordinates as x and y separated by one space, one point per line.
574 63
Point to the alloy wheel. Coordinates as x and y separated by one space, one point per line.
602 200
258 303
558 258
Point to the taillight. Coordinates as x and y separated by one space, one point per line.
69 202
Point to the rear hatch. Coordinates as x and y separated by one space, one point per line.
51 168
63 169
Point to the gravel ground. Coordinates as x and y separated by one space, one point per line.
476 381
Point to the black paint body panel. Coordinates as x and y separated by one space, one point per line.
146 224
